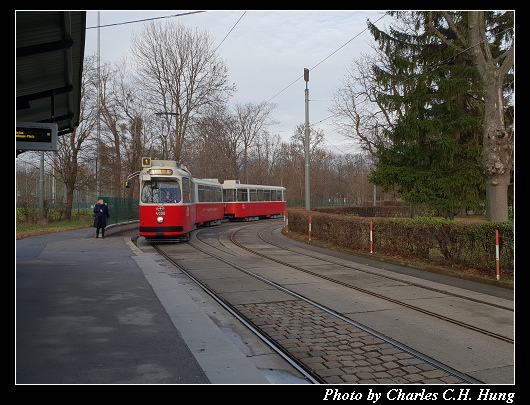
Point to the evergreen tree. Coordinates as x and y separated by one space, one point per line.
436 153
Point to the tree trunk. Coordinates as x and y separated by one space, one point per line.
70 187
245 158
497 197
497 154
69 175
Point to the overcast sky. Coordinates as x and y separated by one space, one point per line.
265 52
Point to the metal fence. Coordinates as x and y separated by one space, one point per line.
320 202
122 209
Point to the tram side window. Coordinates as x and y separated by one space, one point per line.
273 195
161 191
205 193
279 196
218 194
229 195
186 190
253 194
266 195
210 193
242 194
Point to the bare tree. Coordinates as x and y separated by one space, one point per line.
70 147
316 138
210 150
358 112
111 117
264 159
136 126
250 120
179 73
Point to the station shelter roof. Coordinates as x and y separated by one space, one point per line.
50 47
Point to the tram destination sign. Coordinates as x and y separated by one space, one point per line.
36 136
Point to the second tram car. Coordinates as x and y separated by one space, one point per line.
249 201
172 203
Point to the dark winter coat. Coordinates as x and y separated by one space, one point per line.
100 218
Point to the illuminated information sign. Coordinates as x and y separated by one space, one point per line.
36 136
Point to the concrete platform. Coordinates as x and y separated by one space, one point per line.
101 311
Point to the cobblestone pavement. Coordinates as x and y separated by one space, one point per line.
337 351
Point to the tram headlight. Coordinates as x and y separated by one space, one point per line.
160 219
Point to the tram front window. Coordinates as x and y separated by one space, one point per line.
161 191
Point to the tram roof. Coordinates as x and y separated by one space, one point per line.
178 170
235 184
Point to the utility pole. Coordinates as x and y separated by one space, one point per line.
41 186
98 153
307 181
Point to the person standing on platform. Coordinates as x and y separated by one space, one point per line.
101 213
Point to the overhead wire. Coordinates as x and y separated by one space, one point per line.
323 60
146 19
226 36
168 16
427 69
336 147
338 49
301 76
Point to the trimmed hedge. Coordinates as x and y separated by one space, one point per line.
463 243
369 211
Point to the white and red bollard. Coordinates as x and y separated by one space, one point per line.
497 254
371 238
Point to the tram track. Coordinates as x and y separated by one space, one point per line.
335 334
305 371
371 293
387 277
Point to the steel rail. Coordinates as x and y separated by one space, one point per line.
401 346
377 274
309 375
374 294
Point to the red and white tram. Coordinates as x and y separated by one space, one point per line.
172 203
249 201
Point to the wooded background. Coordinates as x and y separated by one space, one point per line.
431 113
